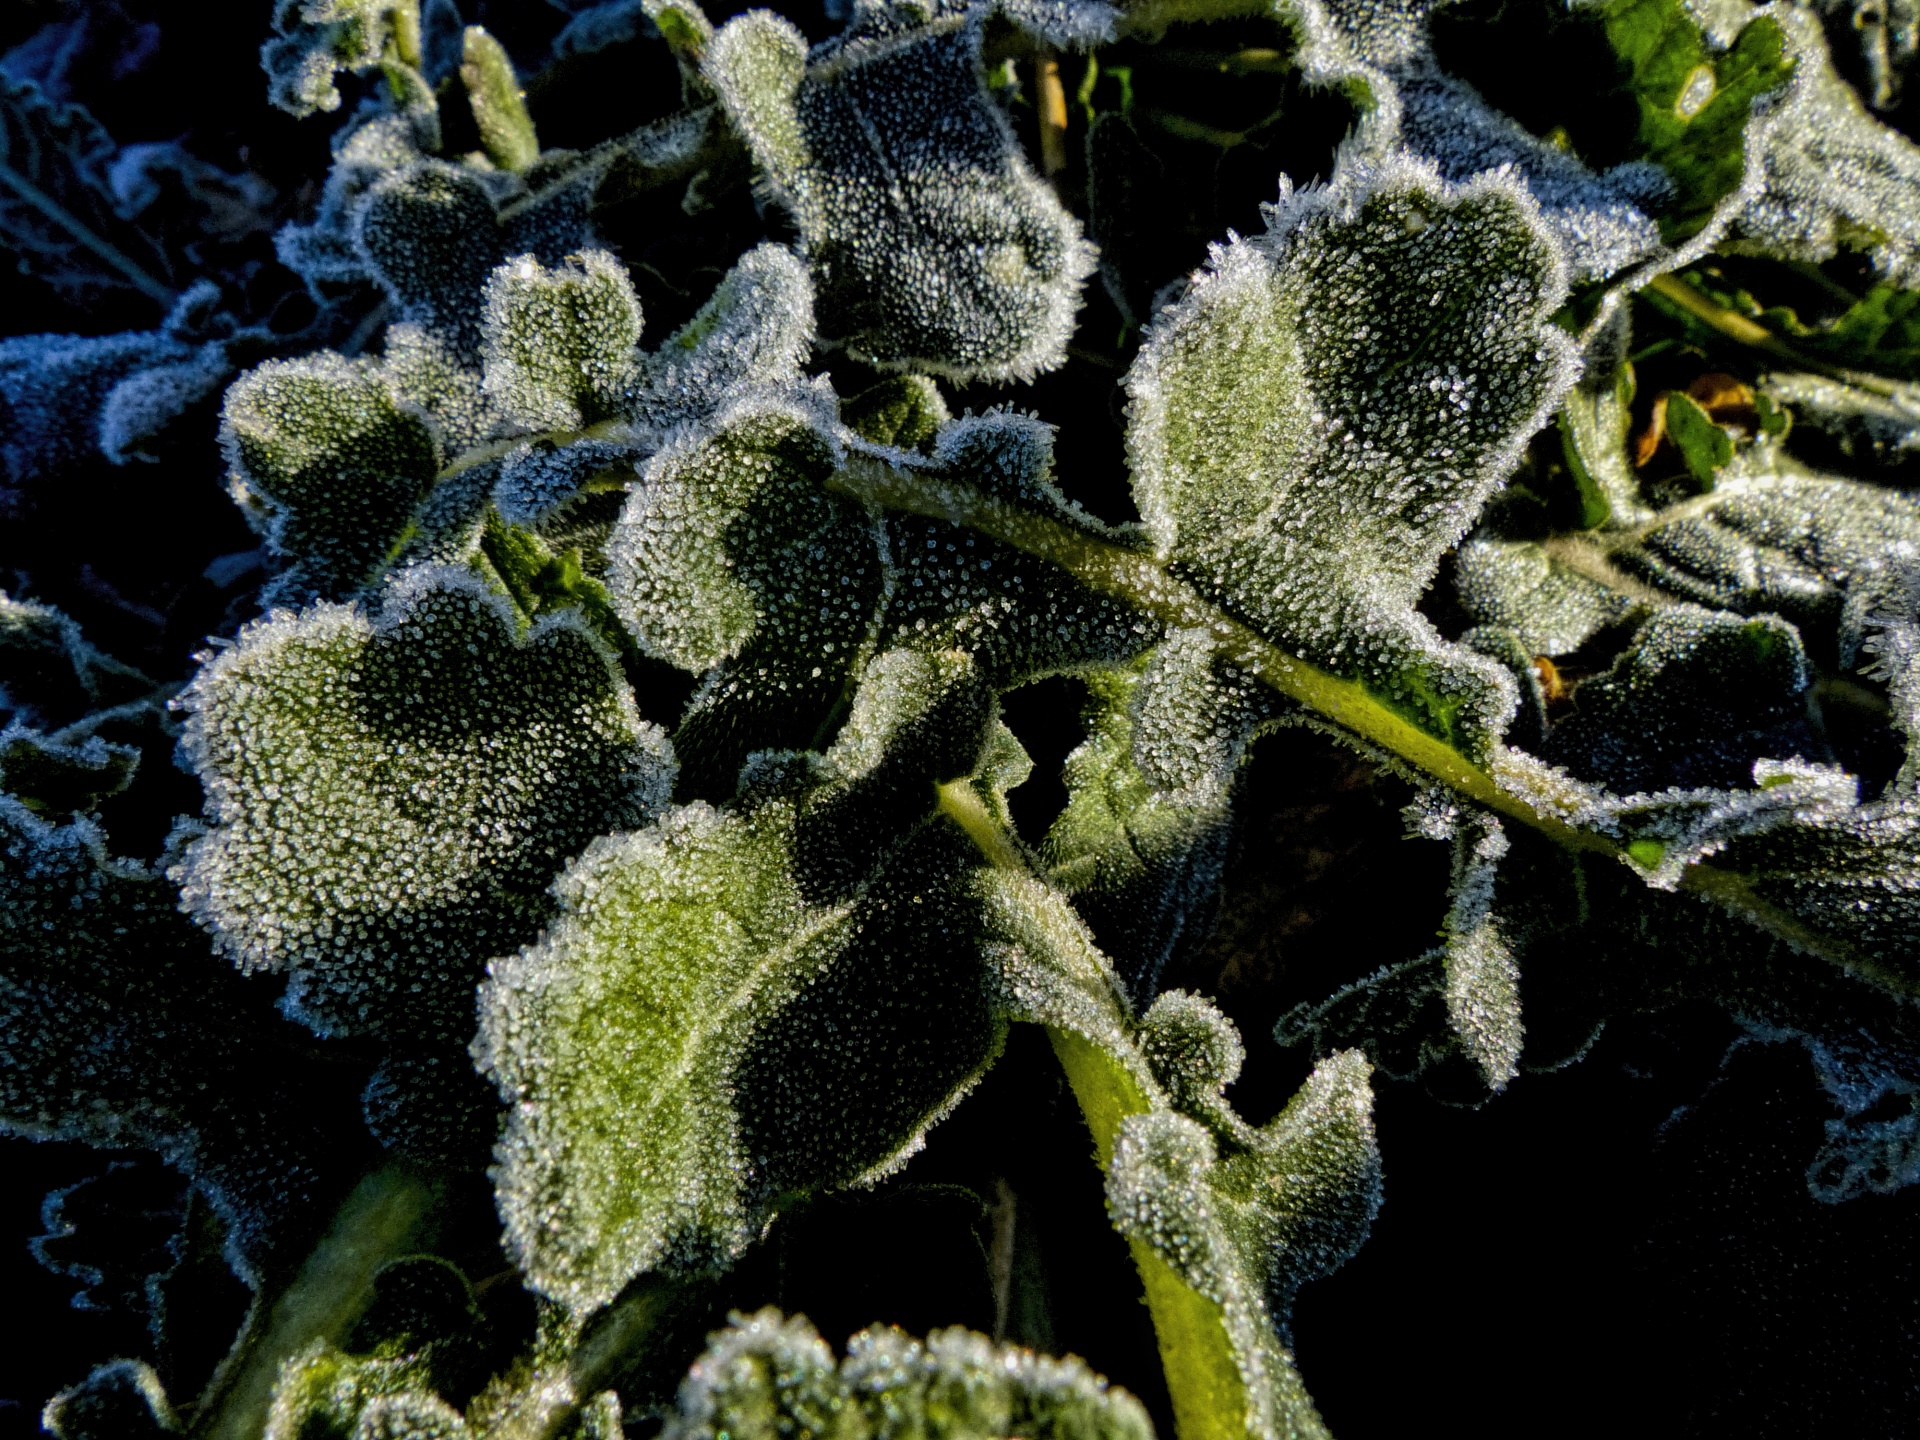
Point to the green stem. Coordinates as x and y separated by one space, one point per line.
1144 583
1735 326
380 1221
1196 1353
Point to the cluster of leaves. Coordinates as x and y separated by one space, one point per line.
609 756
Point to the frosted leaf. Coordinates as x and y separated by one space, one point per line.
147 401
767 1376
377 143
59 216
321 736
537 478
325 1391
55 776
753 333
611 22
328 463
1873 429
1694 701
49 674
1248 1228
433 376
730 550
1604 223
559 348
933 245
1482 987
52 390
1195 1052
1141 865
121 1031
1521 587
316 39
432 233
121 1400
1324 414
1834 175
727 1011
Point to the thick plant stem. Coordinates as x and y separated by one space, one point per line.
380 1221
1209 1397
1143 583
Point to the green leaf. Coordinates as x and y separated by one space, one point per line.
766 1376
1695 101
560 344
1352 378
735 1007
1704 446
499 108
389 797
56 778
1528 591
329 464
933 245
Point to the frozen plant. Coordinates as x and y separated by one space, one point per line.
610 851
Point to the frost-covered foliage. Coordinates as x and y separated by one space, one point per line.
616 751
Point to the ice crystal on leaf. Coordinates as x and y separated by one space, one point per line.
1324 415
319 38
932 244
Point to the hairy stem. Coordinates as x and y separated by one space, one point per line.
1144 583
380 1221
1209 1398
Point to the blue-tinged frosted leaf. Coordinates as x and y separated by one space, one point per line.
376 143
316 39
1247 1226
933 245
141 406
1326 412
389 796
767 1376
58 211
50 675
536 479
120 1030
736 1006
612 22
121 1400
329 465
52 390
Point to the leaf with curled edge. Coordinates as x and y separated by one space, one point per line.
933 245
59 215
733 558
329 464
50 675
766 1375
737 1006
559 346
389 795
1245 1226
122 1031
1317 423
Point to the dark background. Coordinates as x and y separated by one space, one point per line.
1624 1246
